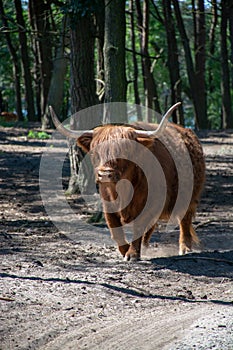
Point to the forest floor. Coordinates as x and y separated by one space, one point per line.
62 293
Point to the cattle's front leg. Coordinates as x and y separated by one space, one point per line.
134 251
117 232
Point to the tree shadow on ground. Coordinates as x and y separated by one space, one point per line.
114 288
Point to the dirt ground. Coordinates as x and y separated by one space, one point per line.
59 293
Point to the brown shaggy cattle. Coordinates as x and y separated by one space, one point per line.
145 173
9 117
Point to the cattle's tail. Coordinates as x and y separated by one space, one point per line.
195 239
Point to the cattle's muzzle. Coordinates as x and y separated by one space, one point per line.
107 175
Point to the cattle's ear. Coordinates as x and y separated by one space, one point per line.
146 141
84 141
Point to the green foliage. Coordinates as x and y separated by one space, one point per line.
6 68
77 9
41 135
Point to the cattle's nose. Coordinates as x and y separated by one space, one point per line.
107 175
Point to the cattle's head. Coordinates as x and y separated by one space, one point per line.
112 147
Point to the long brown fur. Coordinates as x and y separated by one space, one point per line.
9 117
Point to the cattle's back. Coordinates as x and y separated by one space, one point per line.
195 150
182 143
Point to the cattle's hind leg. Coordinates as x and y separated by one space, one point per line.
147 235
187 234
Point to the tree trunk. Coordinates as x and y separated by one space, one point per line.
150 87
135 63
212 43
56 90
36 65
25 61
16 65
200 118
230 15
200 58
226 96
83 86
40 15
114 60
100 15
83 92
214 21
173 62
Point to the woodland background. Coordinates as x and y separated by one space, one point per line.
59 293
77 53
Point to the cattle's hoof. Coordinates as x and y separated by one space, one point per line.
123 249
184 249
131 257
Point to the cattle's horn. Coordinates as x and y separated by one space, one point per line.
162 124
66 132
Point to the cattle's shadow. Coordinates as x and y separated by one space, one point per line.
213 257
209 264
